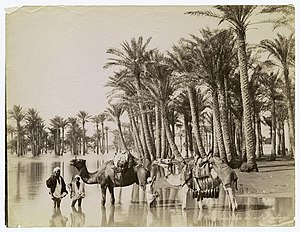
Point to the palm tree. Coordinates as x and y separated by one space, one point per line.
96 120
56 124
84 117
181 62
238 19
34 126
17 114
133 57
283 50
102 118
106 137
160 86
72 134
272 83
115 111
286 18
63 123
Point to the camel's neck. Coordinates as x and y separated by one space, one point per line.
88 178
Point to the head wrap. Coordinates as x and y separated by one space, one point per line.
56 169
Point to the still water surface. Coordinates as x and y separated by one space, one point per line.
29 203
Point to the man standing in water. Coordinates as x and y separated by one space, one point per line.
77 190
57 187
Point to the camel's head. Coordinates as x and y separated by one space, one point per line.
78 163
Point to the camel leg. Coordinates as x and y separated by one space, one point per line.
103 191
229 189
200 204
112 195
185 190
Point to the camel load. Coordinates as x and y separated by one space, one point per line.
202 176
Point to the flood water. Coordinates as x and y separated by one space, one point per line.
29 203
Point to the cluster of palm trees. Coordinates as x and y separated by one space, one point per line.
32 133
212 91
213 84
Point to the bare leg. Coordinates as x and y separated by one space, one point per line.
112 195
103 191
79 202
73 203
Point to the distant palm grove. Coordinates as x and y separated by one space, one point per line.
210 94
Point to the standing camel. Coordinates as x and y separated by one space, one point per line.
107 178
220 174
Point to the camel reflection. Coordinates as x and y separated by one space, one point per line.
77 217
111 218
57 219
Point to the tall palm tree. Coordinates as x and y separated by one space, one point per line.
18 115
84 117
181 62
283 50
102 118
63 123
106 137
133 57
160 87
115 111
272 91
33 125
96 120
238 19
56 124
72 135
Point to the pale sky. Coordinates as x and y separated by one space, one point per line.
55 55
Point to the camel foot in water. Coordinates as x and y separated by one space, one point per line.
103 202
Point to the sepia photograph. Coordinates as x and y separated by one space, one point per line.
150 116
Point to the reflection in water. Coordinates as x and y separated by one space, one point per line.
77 217
111 219
57 219
35 171
28 195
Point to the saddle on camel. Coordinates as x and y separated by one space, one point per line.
122 162
208 173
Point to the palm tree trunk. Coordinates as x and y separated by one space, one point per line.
172 143
283 139
146 129
63 141
121 135
196 129
224 120
186 128
163 139
258 136
143 140
273 139
291 117
97 145
247 104
106 141
83 139
217 125
158 131
103 138
136 133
